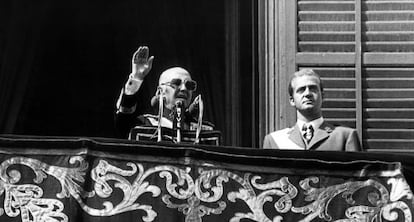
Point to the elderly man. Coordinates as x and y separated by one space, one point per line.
175 87
311 132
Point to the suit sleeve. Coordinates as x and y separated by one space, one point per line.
269 143
125 114
353 144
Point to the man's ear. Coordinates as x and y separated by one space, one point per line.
291 101
161 89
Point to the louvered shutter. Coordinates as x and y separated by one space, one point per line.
388 81
326 38
364 52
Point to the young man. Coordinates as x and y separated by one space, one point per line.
176 87
311 132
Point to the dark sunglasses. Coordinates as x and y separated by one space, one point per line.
176 83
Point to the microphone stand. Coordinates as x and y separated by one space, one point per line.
160 114
200 119
178 107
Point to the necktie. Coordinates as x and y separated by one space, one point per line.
307 132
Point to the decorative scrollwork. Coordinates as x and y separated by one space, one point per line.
193 210
281 188
321 197
26 199
210 192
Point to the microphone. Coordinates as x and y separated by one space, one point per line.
178 118
179 103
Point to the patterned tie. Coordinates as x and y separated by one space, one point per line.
307 132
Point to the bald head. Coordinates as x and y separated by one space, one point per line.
173 73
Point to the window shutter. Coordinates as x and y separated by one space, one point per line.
389 108
388 74
326 26
328 36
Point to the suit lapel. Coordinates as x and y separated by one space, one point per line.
296 137
320 134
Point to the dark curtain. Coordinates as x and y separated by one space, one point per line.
63 63
19 33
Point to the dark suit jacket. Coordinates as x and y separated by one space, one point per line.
326 137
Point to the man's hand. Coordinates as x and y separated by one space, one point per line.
141 64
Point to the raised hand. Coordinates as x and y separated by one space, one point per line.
141 64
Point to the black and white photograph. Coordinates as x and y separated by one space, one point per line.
206 110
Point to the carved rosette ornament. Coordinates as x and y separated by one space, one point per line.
194 192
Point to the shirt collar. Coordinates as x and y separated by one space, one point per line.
316 123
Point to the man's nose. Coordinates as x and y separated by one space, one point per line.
182 87
307 91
